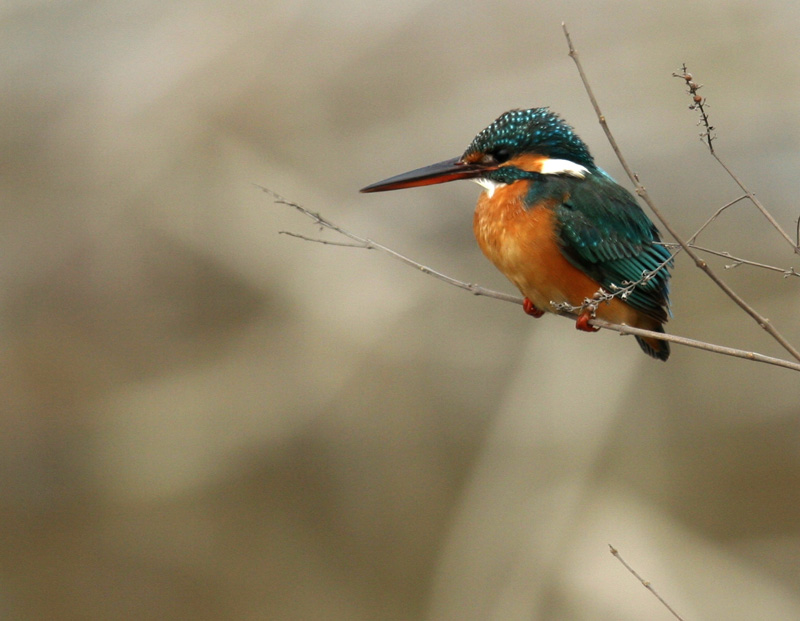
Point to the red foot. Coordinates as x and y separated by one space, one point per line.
582 322
529 308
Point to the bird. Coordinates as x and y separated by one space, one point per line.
557 226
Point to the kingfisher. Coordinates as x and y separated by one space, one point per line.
558 226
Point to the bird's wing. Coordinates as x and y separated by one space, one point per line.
604 233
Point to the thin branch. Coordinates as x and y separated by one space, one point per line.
758 204
642 193
715 216
645 583
737 261
797 233
699 103
324 242
368 244
682 340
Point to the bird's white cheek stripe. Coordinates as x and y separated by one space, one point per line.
563 167
549 167
490 185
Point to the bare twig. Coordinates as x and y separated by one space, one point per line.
368 244
324 242
699 103
682 340
737 261
790 271
714 216
645 583
797 233
643 194
758 204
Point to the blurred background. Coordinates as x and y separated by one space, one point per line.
204 419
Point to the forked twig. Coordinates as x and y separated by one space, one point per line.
737 261
643 194
714 216
368 244
645 583
754 199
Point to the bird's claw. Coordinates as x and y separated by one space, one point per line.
531 309
582 323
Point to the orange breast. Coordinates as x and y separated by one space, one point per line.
522 244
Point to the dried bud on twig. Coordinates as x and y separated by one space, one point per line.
699 103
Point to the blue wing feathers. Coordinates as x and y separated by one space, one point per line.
605 234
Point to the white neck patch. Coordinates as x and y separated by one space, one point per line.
489 185
563 167
550 166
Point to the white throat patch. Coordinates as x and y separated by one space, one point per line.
563 167
489 185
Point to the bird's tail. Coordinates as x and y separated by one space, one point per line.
654 347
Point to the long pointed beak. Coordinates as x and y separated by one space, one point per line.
442 172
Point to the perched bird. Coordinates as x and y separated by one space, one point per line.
560 228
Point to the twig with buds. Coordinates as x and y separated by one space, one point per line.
700 103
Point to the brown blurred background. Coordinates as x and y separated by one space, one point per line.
203 419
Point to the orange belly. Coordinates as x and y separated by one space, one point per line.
522 244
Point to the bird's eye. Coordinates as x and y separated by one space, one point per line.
496 156
501 155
